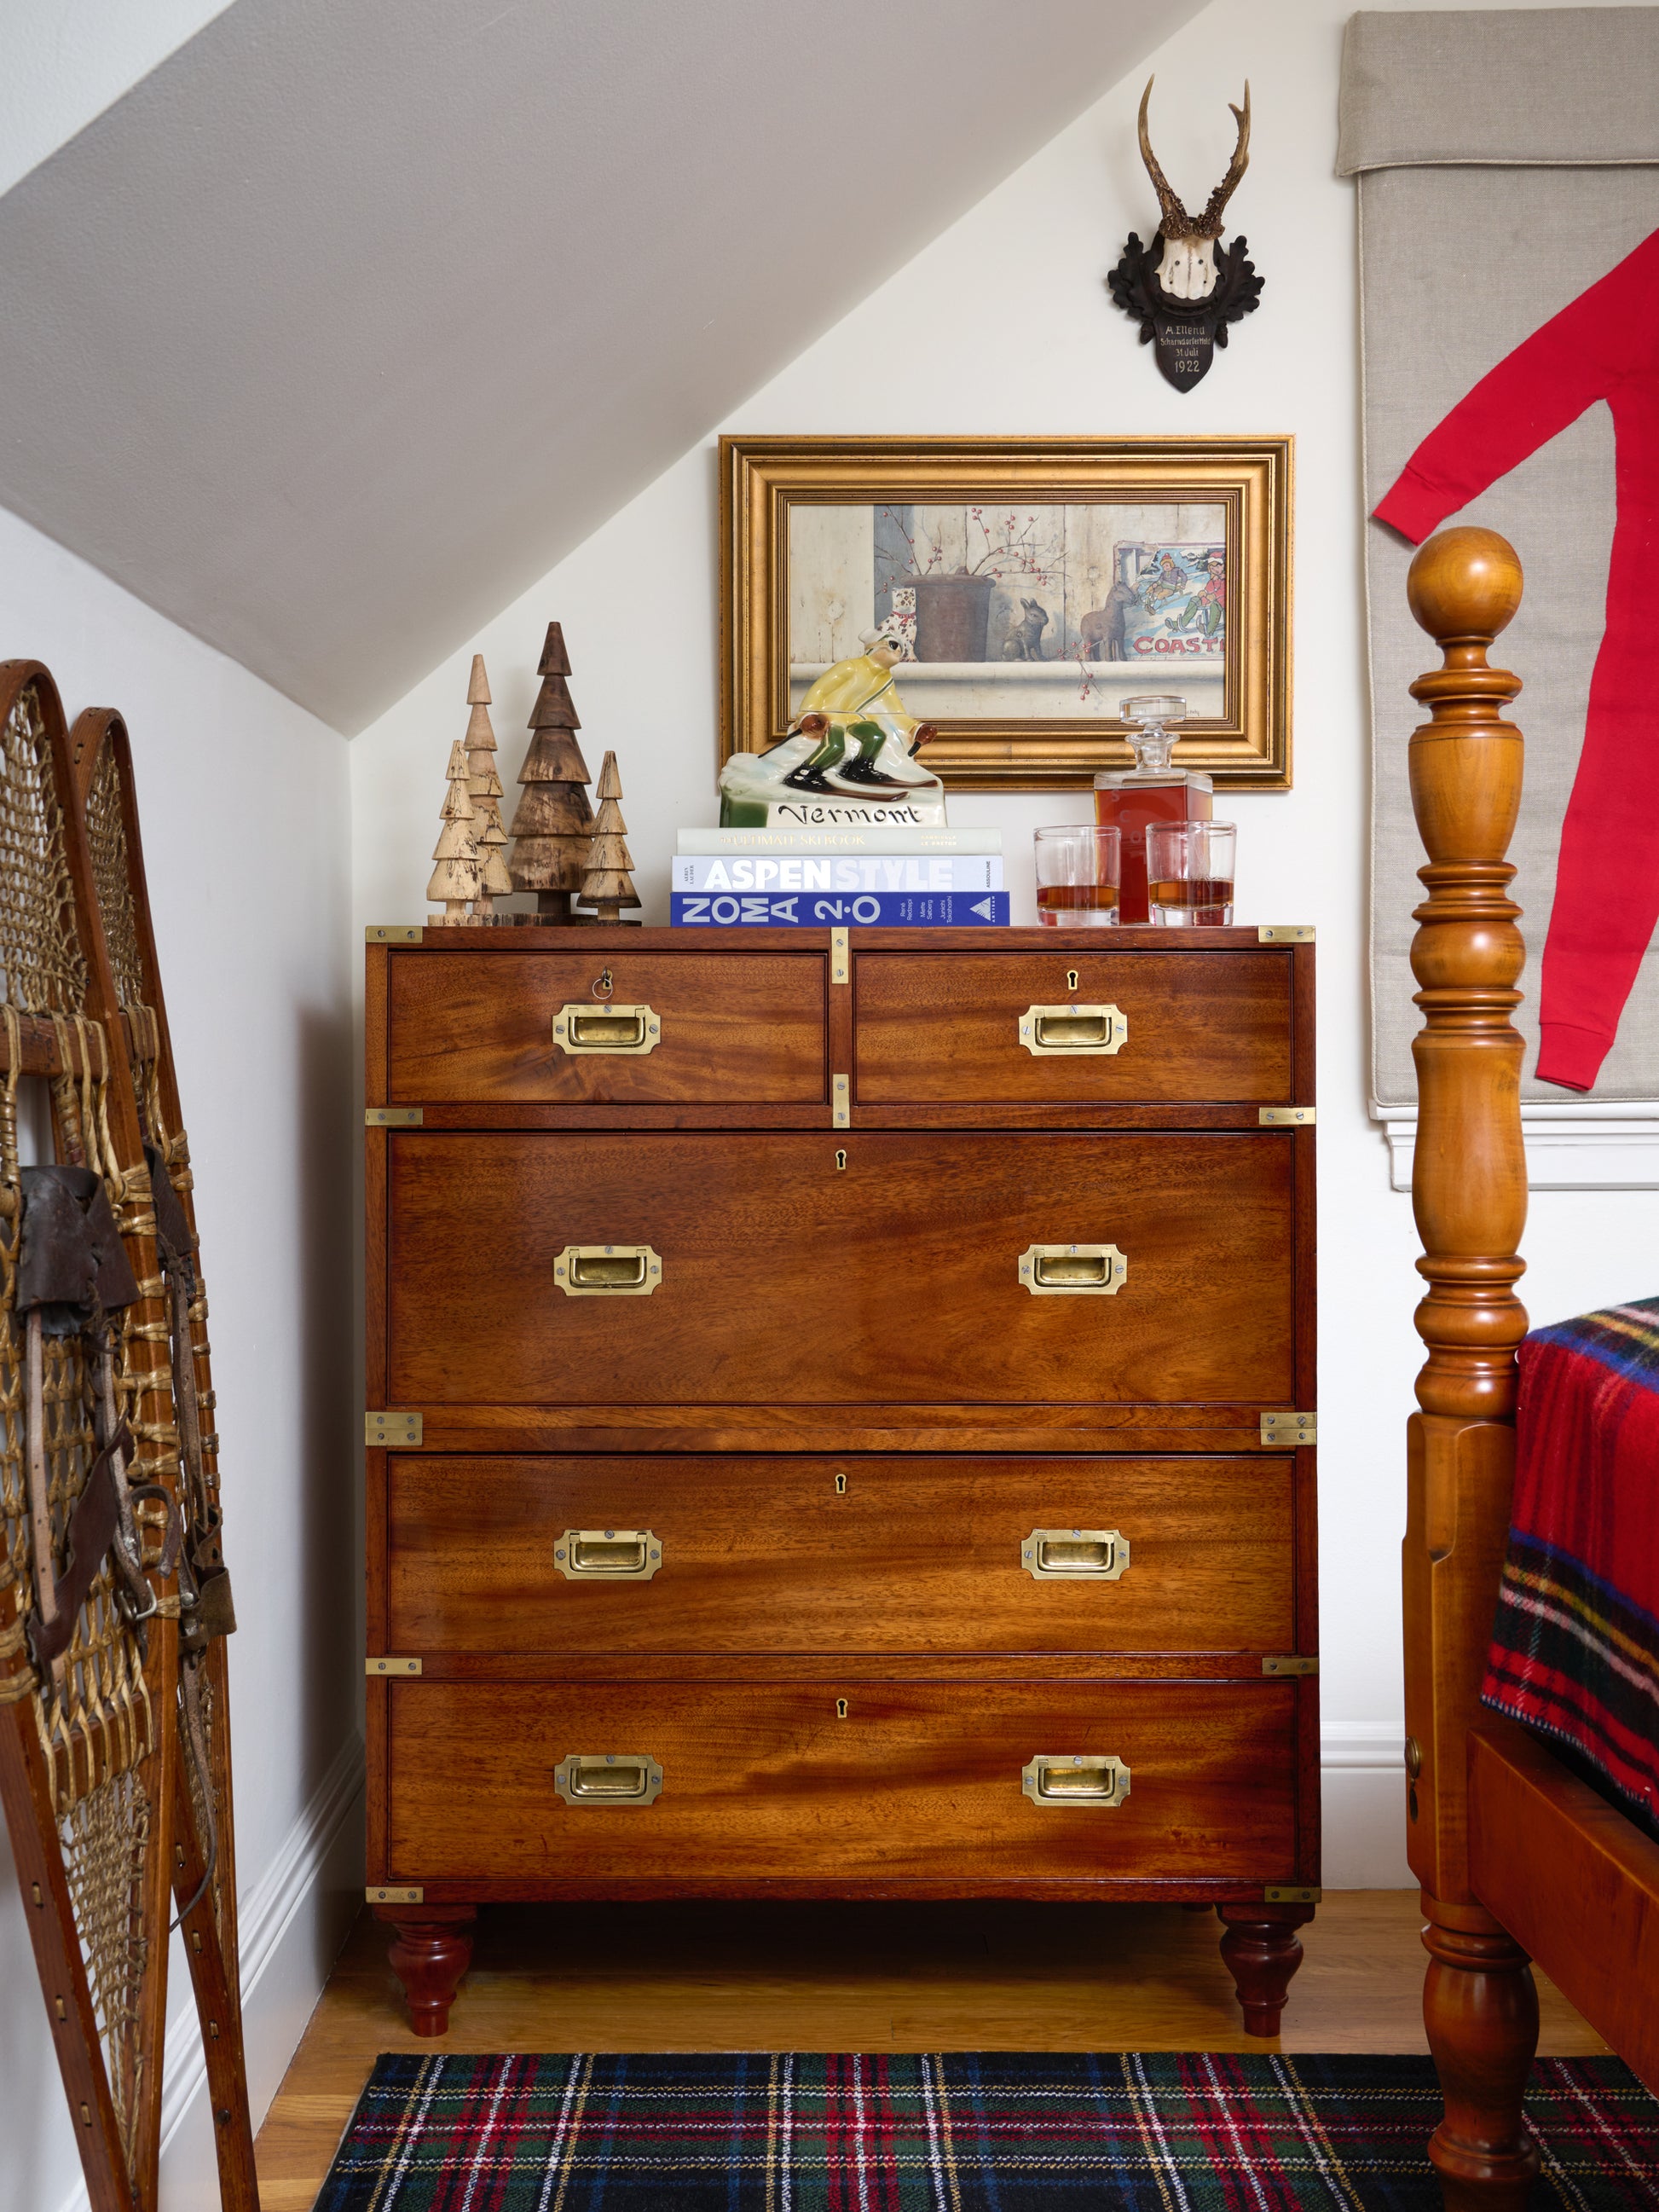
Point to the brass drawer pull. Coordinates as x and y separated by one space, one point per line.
607 1270
619 1779
606 1029
1086 1779
1073 1270
1071 1555
607 1555
1067 1032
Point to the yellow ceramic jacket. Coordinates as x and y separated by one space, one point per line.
861 682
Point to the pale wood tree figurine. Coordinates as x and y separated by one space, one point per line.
608 886
484 788
455 878
551 824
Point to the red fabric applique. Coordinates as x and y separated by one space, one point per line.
1604 346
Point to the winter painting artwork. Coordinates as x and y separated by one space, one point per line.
1022 622
1017 611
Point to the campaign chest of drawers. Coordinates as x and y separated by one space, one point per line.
840 1423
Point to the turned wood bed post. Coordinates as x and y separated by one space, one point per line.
1469 1194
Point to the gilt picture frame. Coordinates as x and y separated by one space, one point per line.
1031 583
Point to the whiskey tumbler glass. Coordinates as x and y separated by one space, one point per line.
1189 873
1077 876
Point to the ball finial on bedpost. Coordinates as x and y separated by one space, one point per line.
1464 584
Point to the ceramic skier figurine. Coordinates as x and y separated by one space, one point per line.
849 755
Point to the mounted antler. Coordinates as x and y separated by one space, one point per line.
1187 269
1173 219
1210 223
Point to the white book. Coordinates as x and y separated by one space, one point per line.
848 872
844 837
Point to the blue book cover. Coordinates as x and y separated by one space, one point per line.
836 909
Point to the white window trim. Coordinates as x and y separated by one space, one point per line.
1583 1146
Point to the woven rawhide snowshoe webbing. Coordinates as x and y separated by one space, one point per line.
89 1526
205 1869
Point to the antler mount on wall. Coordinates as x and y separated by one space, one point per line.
1186 286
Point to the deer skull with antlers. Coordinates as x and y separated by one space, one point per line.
1186 287
1187 270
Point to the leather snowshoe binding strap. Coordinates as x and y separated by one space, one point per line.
72 1273
72 1269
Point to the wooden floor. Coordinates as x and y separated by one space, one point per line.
855 1978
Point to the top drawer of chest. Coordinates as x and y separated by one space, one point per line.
1025 1026
896 1026
595 1025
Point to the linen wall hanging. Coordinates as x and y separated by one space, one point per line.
1508 161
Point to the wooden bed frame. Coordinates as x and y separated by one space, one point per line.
1519 1859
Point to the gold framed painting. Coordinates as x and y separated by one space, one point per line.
1031 583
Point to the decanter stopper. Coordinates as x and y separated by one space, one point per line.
1151 730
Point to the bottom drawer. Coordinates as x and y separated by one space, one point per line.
918 1782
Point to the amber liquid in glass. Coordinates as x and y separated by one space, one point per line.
1203 900
1129 806
1077 904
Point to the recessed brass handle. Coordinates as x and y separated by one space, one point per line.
1089 1781
619 1779
606 1029
1068 1032
1071 1555
1074 1270
608 1271
608 1555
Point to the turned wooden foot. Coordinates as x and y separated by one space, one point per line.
431 1949
1262 1951
1481 2009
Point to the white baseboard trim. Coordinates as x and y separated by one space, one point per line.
1581 1147
293 1890
1362 1791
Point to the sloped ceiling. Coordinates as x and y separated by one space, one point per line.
355 316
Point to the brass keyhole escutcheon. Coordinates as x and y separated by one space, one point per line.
604 986
841 1485
1071 979
840 1163
841 1709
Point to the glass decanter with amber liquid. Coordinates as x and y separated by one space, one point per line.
1152 790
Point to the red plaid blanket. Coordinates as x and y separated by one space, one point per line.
1575 1652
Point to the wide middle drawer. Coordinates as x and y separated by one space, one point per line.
780 1266
803 1554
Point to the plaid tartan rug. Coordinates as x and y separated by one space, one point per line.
965 2131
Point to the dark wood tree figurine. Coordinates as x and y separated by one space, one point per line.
553 818
608 886
484 788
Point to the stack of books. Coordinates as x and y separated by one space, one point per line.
854 874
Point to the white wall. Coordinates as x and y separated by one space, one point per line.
244 801
1003 326
62 61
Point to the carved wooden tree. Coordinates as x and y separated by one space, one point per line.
608 886
1469 1194
551 823
484 788
455 878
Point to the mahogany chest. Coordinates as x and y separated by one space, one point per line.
840 1423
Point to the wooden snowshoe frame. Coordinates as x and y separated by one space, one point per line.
204 1858
89 1754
